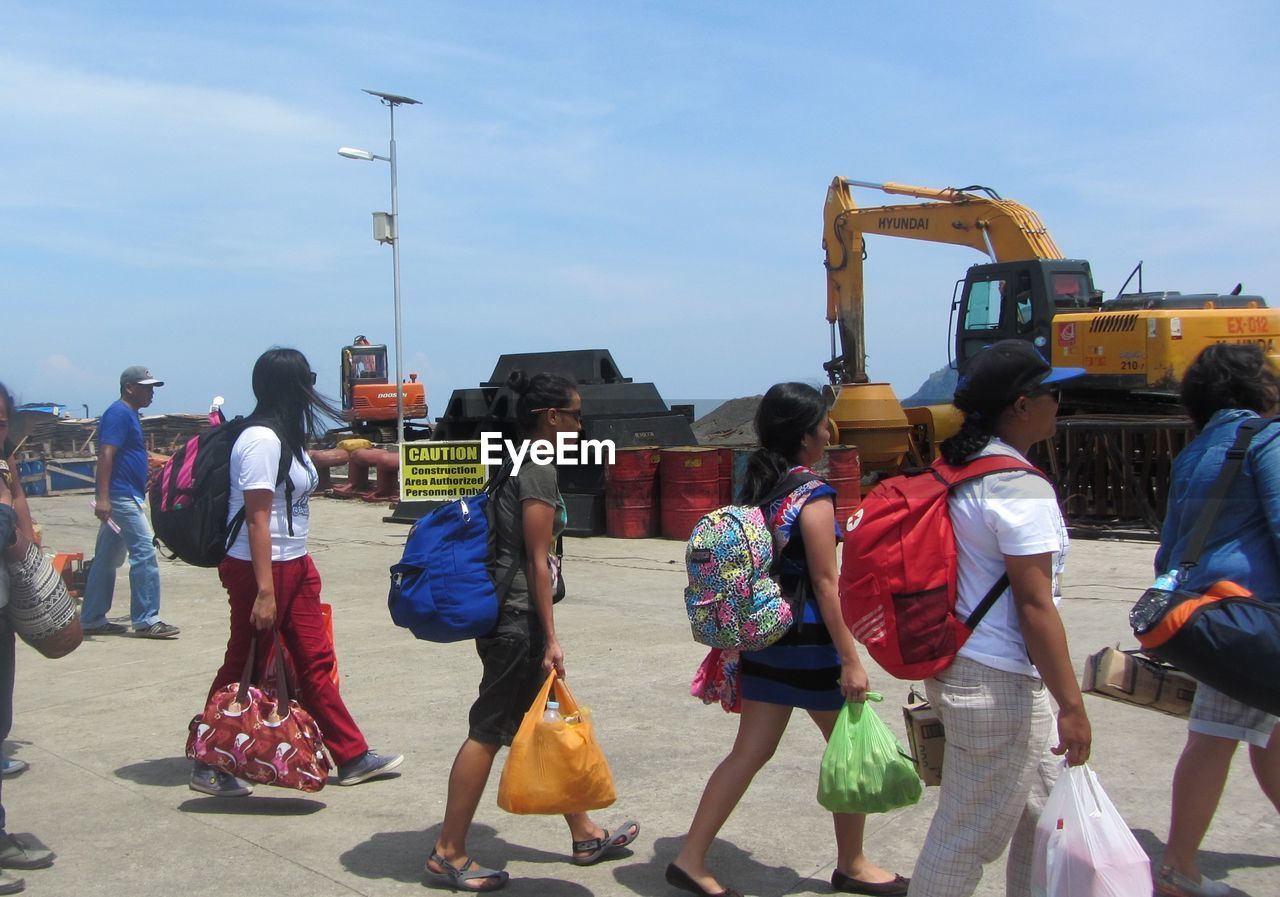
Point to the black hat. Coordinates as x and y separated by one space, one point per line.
995 377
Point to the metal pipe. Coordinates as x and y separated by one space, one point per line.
395 263
986 238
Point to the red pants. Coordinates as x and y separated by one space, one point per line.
302 629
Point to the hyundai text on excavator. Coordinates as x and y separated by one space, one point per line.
1121 423
369 396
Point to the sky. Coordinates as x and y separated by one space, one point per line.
643 177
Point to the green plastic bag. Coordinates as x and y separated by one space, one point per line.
865 769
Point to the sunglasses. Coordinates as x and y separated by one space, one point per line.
1053 392
313 378
575 413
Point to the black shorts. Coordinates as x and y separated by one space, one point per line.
512 657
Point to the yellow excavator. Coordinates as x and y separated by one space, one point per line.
1122 423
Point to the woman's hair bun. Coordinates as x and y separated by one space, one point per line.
518 382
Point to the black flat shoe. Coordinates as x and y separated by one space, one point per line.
848 885
678 878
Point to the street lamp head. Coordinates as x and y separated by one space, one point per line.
352 153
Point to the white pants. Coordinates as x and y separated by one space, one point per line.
997 772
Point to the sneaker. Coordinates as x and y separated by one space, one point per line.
1171 883
11 767
208 780
158 630
367 766
107 628
11 885
17 854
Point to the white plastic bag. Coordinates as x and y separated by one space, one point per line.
1083 848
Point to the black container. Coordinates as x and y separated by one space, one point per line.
586 514
613 408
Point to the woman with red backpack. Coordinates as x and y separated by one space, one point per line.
814 667
994 697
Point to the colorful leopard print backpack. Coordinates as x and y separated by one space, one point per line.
732 599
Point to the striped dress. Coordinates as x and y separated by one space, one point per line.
802 669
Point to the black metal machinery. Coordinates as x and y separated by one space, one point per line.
614 408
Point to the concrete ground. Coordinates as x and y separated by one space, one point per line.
104 730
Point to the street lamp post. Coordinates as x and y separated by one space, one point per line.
391 101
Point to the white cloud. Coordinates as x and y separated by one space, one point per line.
75 101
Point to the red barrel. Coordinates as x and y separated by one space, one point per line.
690 488
630 487
844 472
726 476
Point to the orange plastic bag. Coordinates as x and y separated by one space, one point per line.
555 767
326 611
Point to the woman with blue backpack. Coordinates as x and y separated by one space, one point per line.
814 667
1225 387
528 515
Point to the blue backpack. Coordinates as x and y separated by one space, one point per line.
442 590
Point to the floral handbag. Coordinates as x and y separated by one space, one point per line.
260 734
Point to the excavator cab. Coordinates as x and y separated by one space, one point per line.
369 395
362 363
1018 300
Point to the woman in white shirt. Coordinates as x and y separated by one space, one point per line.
270 579
994 698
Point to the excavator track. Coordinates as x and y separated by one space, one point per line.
1114 472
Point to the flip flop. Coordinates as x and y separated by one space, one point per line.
613 840
457 877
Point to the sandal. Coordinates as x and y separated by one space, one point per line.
617 839
457 877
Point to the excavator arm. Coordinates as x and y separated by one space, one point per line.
1003 229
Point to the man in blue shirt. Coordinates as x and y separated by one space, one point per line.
122 490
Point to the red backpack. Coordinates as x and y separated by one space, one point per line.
899 572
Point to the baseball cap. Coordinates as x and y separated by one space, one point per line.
138 374
995 377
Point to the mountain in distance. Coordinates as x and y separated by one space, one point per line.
730 423
938 389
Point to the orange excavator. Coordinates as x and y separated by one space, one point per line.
369 396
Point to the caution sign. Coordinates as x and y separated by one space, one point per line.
440 471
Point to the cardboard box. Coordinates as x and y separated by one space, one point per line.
926 740
1128 677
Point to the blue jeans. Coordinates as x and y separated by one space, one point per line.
135 538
